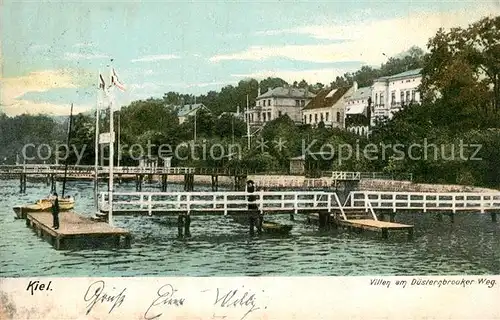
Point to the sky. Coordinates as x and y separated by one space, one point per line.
52 52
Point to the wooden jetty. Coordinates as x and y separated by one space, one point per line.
76 231
376 225
359 221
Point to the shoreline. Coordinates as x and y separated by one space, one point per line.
301 182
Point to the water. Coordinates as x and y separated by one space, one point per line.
220 247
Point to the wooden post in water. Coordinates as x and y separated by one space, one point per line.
385 233
180 225
215 182
187 223
52 183
410 233
323 220
494 217
392 217
452 217
164 182
251 222
138 182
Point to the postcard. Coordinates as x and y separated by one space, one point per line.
250 160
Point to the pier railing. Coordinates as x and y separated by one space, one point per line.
165 203
353 175
86 169
424 202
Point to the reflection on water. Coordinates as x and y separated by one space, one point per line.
220 247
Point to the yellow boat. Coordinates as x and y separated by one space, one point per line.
44 205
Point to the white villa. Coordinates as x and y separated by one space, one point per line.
277 102
328 107
390 93
358 111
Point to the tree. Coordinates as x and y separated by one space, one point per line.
271 83
465 59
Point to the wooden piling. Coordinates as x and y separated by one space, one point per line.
138 182
494 217
260 220
410 233
180 225
215 182
392 217
452 217
323 220
187 223
22 183
164 182
385 233
251 222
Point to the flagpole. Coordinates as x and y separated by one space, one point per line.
96 147
248 125
111 153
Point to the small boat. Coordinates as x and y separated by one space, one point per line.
43 205
269 227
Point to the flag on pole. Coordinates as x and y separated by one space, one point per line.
102 84
115 81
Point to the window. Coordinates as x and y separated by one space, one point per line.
264 117
407 95
315 118
382 101
338 116
413 95
322 119
264 102
279 113
376 98
327 116
305 119
310 118
297 103
402 97
302 103
393 97
269 116
269 102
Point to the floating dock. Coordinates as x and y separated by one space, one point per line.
359 222
376 225
76 231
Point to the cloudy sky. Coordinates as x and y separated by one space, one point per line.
51 53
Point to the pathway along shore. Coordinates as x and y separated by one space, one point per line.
287 181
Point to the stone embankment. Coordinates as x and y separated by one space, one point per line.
408 186
282 181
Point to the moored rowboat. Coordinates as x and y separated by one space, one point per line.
43 205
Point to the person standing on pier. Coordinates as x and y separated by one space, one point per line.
255 218
55 211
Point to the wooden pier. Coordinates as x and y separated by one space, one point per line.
376 225
76 231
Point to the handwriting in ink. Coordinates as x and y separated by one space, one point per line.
235 299
166 297
95 294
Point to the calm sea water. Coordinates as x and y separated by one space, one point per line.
220 247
